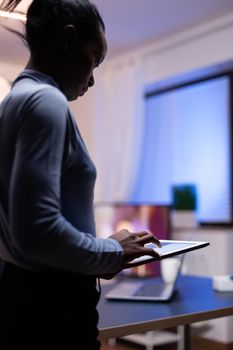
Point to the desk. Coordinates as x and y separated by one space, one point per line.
194 301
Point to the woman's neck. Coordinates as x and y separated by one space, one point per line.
38 65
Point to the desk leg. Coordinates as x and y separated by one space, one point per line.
185 342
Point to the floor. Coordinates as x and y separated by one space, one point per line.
123 345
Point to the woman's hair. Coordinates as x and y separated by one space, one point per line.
47 18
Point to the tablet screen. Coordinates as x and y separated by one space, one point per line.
170 248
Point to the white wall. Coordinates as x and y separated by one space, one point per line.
201 47
9 70
217 259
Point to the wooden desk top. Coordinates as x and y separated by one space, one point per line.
194 301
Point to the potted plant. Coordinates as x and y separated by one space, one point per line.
184 205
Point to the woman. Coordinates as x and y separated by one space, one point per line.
48 293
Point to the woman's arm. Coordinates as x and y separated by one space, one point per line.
39 231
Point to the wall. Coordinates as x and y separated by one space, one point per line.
208 45
9 70
217 259
202 46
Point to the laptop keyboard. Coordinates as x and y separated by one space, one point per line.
153 290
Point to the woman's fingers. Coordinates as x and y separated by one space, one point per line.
143 251
137 249
151 252
134 244
141 237
146 237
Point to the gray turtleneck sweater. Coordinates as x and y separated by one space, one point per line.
47 183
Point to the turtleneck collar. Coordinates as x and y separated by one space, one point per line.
37 76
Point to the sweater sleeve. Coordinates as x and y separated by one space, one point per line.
40 233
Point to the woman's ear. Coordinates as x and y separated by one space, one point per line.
69 37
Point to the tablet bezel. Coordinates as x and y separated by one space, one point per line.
191 245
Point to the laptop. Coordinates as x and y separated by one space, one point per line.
150 289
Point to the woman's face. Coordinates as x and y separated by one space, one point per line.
77 76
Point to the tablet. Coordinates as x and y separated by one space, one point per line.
168 248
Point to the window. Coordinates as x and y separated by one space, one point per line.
187 139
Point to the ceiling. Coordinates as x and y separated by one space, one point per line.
132 23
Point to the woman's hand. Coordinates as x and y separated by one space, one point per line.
133 245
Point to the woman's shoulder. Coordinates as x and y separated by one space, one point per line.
35 102
34 85
28 90
28 96
48 96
